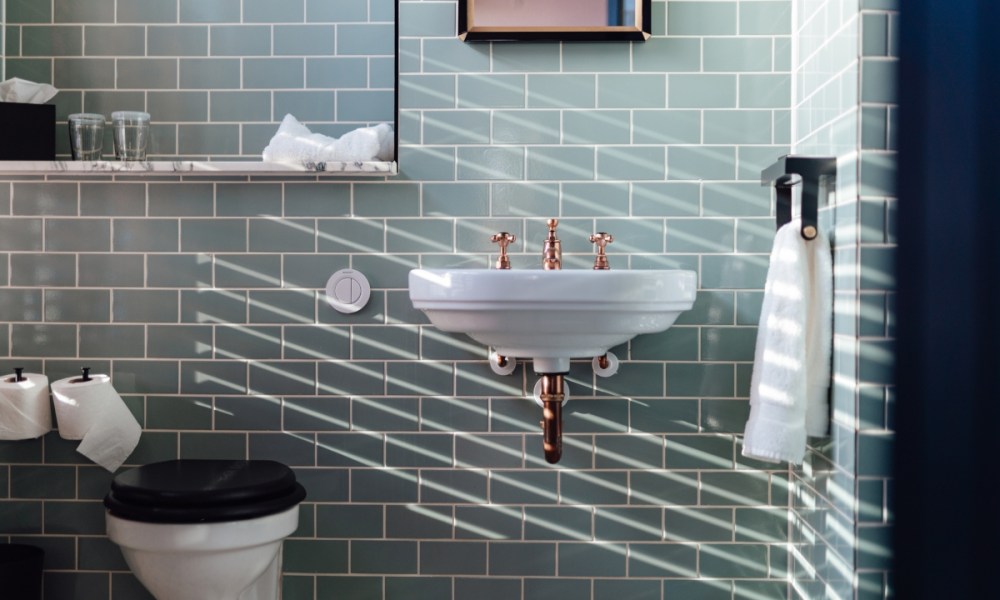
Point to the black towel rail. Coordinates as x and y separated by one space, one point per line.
814 173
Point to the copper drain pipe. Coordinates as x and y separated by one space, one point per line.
552 396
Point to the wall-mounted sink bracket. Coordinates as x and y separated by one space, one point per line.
815 173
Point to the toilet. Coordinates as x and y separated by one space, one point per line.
205 529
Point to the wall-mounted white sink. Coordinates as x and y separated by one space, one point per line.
552 316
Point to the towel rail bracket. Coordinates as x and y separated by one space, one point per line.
815 173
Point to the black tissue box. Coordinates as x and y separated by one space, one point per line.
27 131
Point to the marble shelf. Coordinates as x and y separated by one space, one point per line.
329 169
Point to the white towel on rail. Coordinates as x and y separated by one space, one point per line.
791 373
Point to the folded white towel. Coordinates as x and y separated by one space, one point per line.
791 374
294 143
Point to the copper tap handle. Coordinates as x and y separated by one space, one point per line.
503 239
602 239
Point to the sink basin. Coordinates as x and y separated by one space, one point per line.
552 316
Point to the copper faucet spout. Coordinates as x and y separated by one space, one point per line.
552 249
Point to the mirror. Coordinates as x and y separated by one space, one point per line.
217 77
554 20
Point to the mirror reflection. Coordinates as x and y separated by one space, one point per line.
554 19
217 79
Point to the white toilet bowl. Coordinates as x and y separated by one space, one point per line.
205 530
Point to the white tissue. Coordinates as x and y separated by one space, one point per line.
29 92
93 412
294 143
24 407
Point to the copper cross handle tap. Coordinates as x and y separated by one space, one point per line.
602 239
504 239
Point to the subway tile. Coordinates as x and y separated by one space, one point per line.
591 560
209 73
250 200
349 520
733 560
562 91
87 306
383 486
21 234
487 522
456 127
204 140
491 91
317 200
312 556
425 20
51 40
737 54
451 55
114 40
593 487
177 41
764 90
557 523
493 451
318 106
432 91
145 235
307 342
702 91
526 127
321 413
628 452
631 91
490 163
179 341
698 588
737 127
248 270
350 450
365 39
492 588
419 522
112 199
662 560
92 11
589 127
146 73
419 450
765 18
609 589
42 270
698 524
734 488
44 199
700 18
701 162
630 163
452 487
347 378
559 163
28 11
426 378
522 559
273 73
384 200
596 57
672 55
628 524
179 270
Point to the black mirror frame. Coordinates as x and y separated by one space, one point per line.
612 33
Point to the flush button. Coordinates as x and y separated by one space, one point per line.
348 291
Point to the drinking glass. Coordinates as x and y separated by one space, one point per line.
131 134
86 136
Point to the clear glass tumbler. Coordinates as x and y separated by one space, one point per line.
131 134
86 136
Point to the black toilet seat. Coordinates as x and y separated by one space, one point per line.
203 491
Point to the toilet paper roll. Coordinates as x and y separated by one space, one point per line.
93 412
24 407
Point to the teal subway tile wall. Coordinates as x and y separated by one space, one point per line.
845 107
202 296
